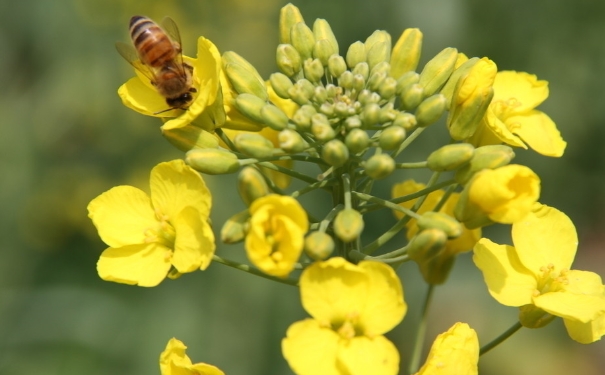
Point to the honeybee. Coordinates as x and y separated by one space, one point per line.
157 54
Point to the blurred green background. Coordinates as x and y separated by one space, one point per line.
66 138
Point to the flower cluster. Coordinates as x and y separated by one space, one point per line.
354 114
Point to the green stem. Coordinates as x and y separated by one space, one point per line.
386 236
409 197
408 141
283 170
417 165
386 204
498 340
252 270
225 139
313 186
346 188
323 225
421 332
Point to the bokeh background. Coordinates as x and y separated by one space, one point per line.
65 138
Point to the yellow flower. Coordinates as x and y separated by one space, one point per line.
276 237
535 273
436 270
149 235
352 306
174 361
455 352
505 195
140 95
512 119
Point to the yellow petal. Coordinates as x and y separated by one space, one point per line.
537 130
137 95
545 237
205 369
311 349
455 352
173 356
364 355
586 333
283 205
332 290
143 265
175 185
384 306
122 215
570 306
194 244
508 281
523 87
497 127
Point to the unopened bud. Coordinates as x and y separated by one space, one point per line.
320 94
356 54
406 80
335 153
302 116
430 110
375 80
378 36
288 59
427 244
189 137
323 31
319 245
380 52
382 67
431 219
245 82
327 109
485 157
531 316
371 113
348 224
254 145
313 70
281 84
353 122
436 270
358 81
212 161
336 65
450 157
291 142
322 50
470 213
321 128
463 69
412 96
362 69
388 88
391 137
379 166
406 52
405 120
346 80
274 117
289 16
235 228
301 92
357 140
437 71
251 185
303 40
250 105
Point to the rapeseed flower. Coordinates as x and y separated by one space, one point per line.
174 361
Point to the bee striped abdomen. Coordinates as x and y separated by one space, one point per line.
153 45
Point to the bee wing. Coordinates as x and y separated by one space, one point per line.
172 30
129 53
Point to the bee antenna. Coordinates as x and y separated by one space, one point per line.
165 110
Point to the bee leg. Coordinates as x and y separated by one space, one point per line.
193 89
189 67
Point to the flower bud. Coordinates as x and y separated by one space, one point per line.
412 96
342 109
346 80
362 69
371 113
462 70
319 245
348 224
427 244
313 70
235 228
320 94
281 84
388 88
356 54
531 316
353 122
212 160
387 113
303 40
379 166
380 42
406 52
485 157
471 97
274 117
323 31
288 59
245 81
470 213
251 185
250 105
322 50
450 157
358 81
254 145
335 153
431 219
391 137
189 137
436 269
291 142
301 92
327 109
430 110
437 71
357 140
321 128
406 80
405 120
289 16
302 116
336 65
375 80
